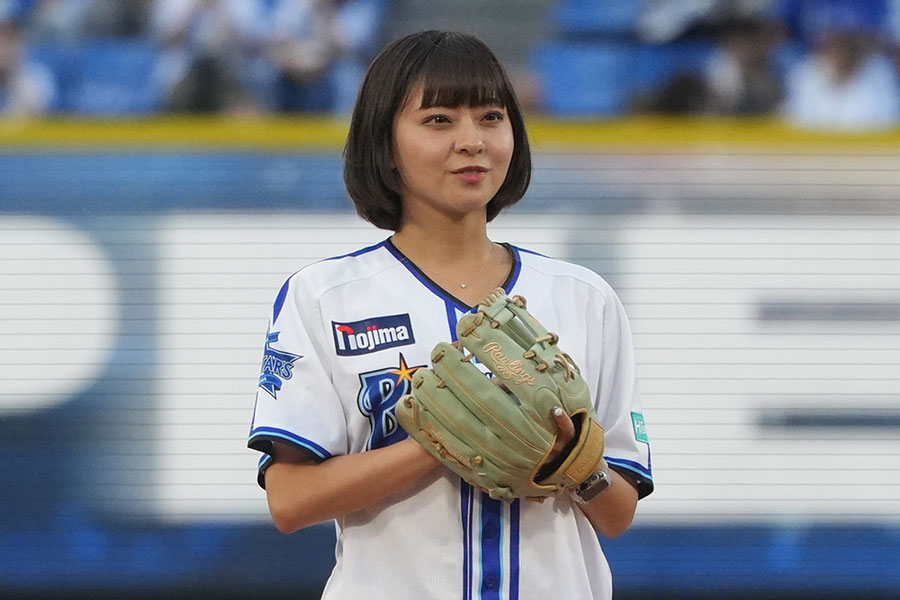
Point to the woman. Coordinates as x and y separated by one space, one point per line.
436 149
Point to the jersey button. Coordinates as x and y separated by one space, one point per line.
490 582
490 531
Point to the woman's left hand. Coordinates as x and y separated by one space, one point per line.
564 437
557 454
566 434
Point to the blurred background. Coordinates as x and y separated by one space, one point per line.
732 168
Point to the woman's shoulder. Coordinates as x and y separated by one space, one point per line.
320 276
554 268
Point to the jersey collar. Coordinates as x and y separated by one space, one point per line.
443 294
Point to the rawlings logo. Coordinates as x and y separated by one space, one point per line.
505 367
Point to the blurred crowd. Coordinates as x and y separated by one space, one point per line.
824 64
831 64
121 56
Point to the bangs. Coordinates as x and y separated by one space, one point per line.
457 72
451 69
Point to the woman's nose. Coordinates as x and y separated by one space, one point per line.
469 139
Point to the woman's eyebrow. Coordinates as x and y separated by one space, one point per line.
488 104
491 102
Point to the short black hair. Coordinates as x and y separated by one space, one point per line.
455 69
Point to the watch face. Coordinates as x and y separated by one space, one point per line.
594 487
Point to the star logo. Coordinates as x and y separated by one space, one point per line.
404 373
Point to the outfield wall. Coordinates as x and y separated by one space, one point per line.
760 268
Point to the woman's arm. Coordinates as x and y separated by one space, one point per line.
302 491
612 512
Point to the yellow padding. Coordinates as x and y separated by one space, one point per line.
323 134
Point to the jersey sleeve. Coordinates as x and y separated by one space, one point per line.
296 403
618 402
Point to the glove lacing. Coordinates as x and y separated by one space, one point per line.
562 359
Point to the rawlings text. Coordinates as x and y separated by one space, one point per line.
505 367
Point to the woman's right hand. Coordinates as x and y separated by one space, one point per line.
302 491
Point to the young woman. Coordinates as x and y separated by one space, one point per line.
436 149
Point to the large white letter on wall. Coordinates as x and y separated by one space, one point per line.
58 313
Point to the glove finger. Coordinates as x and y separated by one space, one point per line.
414 416
510 315
505 358
522 326
566 374
447 420
559 374
503 418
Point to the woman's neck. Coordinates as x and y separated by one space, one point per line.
444 245
461 260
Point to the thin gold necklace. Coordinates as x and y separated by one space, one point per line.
463 284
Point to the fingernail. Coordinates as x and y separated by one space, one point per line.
558 411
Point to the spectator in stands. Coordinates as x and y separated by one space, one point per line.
738 76
894 33
741 75
846 82
115 18
205 49
58 20
319 50
26 88
74 20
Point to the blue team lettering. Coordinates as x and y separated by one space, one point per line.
277 366
371 335
379 392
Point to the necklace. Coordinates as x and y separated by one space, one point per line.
462 284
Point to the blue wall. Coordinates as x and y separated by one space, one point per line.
53 537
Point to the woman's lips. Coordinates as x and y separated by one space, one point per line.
472 174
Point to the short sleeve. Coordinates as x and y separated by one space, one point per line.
296 403
618 402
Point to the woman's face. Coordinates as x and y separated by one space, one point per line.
451 160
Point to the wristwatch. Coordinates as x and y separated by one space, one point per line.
593 486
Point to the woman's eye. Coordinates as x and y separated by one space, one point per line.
439 119
494 116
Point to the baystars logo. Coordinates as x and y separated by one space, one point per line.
277 366
379 392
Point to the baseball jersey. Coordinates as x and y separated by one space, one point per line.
345 337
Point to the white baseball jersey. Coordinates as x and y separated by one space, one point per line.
345 337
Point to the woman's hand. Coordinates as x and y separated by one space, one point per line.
561 447
566 434
613 511
302 491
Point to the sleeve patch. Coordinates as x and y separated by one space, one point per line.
640 427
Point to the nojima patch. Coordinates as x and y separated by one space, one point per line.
370 335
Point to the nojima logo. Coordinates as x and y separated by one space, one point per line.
371 335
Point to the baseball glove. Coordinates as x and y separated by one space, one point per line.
498 434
